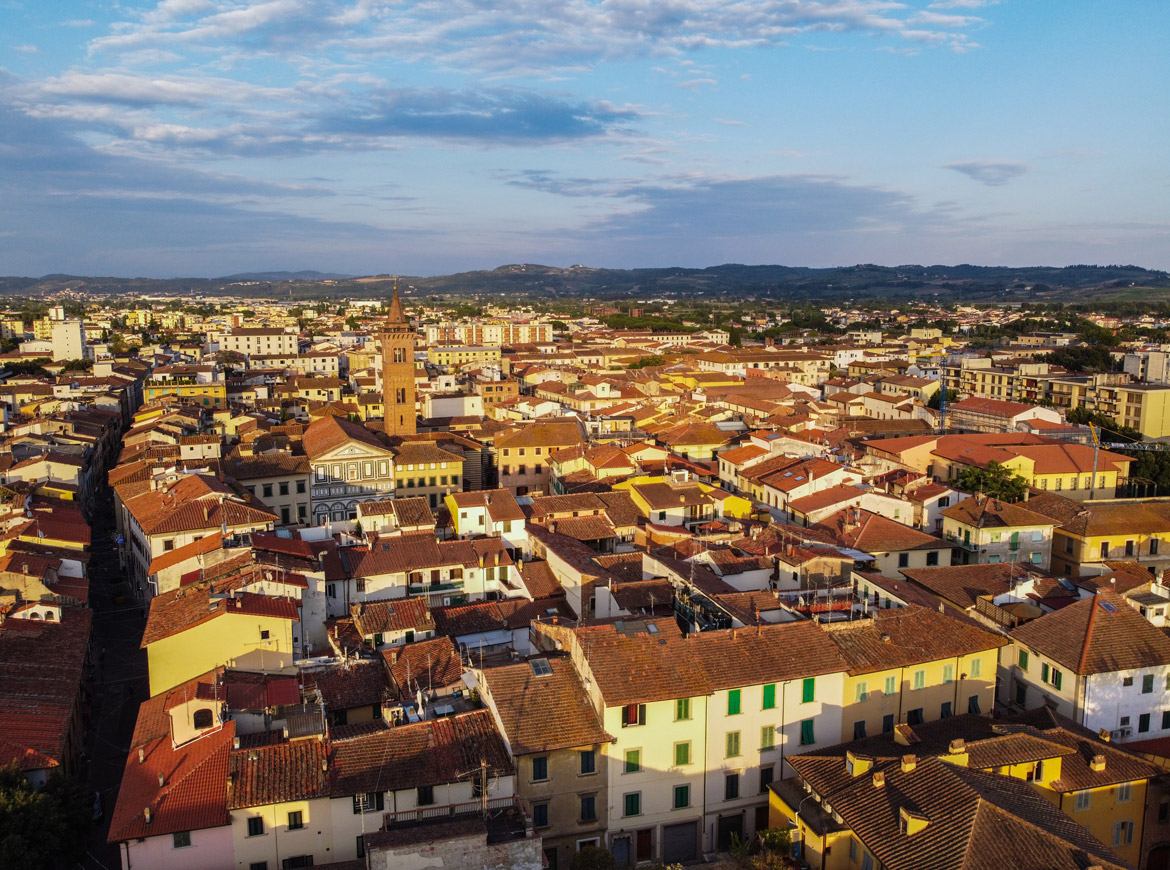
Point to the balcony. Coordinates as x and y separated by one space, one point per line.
962 544
505 817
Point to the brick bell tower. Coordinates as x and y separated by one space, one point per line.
398 371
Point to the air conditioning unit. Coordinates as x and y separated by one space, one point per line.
447 602
1121 732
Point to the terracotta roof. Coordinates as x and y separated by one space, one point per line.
426 665
540 580
1092 520
973 819
501 504
175 613
638 661
545 711
194 790
400 554
962 585
541 434
908 636
205 545
431 752
329 433
1100 634
991 513
872 533
401 614
357 684
277 774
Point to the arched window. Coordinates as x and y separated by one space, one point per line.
399 354
48 616
202 718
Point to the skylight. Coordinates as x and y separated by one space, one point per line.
540 667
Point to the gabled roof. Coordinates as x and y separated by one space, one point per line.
638 661
1099 634
872 533
991 513
328 433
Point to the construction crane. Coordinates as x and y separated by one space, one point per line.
1116 445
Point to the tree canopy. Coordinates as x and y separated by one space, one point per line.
41 829
996 481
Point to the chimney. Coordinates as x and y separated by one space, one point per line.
146 815
957 745
879 779
909 762
235 743
1097 764
161 780
141 755
1104 735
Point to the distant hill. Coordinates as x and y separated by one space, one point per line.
303 275
730 282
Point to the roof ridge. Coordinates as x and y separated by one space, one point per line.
1088 634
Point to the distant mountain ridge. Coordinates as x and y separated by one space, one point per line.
735 282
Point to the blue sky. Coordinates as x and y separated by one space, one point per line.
205 137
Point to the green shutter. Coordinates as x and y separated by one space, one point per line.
806 733
809 692
1056 675
733 702
769 696
682 754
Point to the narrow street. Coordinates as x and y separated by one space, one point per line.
118 685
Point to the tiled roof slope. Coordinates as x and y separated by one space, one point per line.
543 713
1099 634
908 636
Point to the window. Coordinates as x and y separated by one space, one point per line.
920 679
903 560
976 667
887 723
767 774
767 738
264 634
426 795
296 820
1147 684
1023 660
181 839
1127 681
1056 678
588 761
1153 546
914 717
852 850
588 808
891 686
1123 834
540 768
731 786
632 804
370 802
1105 550
808 692
733 702
945 712
861 692
1084 800
682 753
202 718
633 714
806 733
973 704
1165 719
1125 792
258 865
1164 811
300 487
1143 723
540 815
682 709
769 702
948 673
682 797
932 558
859 729
633 761
255 826
732 744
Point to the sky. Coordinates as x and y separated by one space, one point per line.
211 137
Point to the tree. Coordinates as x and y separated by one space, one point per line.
593 858
559 325
78 365
996 481
41 829
936 399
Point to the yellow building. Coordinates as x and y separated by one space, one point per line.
212 395
1090 534
459 355
191 632
923 797
425 470
913 665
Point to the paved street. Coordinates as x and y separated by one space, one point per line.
118 686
